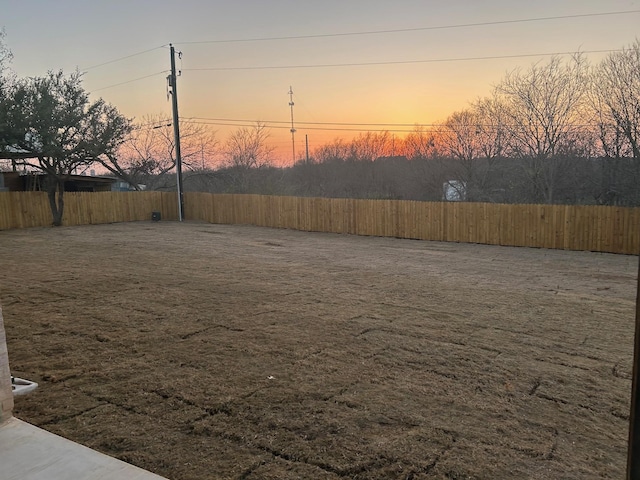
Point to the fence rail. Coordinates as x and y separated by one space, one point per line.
570 227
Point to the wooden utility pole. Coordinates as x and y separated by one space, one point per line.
306 142
633 454
176 130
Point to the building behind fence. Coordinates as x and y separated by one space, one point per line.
570 227
31 209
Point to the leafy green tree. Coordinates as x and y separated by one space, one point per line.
60 130
5 53
6 84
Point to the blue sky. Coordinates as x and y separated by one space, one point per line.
70 34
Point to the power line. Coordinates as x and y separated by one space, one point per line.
152 125
122 58
249 122
283 127
307 123
398 62
417 29
128 81
251 125
440 128
155 123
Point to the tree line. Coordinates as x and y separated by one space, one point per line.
560 131
596 181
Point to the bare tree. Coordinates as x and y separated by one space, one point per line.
491 131
545 107
460 139
612 140
199 145
421 144
336 151
149 152
459 135
244 152
617 92
247 148
475 138
425 152
616 106
370 146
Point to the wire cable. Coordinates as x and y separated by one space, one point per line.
154 123
143 127
304 123
417 29
397 62
324 129
339 125
109 62
284 127
128 81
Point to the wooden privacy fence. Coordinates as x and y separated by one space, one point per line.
569 227
31 209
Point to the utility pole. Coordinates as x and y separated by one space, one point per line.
176 129
293 130
306 143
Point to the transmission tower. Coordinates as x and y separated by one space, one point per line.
293 130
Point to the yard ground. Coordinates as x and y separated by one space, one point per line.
210 351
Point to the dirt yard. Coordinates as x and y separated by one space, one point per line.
204 351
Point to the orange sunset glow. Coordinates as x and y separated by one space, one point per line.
369 67
320 239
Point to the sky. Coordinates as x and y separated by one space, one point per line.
432 59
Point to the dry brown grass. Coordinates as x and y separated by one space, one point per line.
209 351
